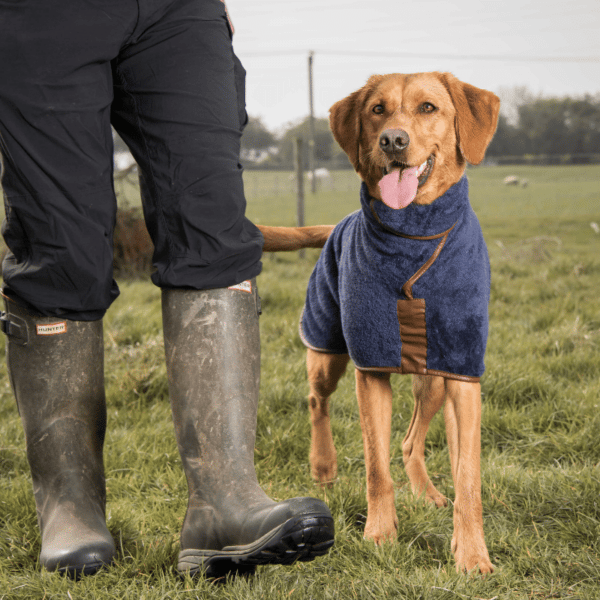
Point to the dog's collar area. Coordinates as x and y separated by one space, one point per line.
418 220
433 236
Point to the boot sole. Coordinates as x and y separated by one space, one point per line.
77 573
298 539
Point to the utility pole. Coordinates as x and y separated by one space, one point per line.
299 185
311 141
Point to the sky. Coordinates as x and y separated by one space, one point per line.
551 47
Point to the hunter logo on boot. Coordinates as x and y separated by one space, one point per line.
51 328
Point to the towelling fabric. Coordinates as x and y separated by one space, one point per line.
405 291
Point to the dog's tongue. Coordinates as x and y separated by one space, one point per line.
399 192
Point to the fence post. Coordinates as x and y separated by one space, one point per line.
299 186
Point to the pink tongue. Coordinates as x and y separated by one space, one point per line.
399 192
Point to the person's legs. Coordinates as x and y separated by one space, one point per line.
56 150
56 147
180 107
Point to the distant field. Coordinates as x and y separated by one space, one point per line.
540 425
551 192
565 191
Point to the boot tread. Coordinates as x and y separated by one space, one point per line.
298 539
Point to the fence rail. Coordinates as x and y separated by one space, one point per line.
545 159
265 184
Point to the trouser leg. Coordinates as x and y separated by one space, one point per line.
179 105
56 146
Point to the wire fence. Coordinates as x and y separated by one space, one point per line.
270 184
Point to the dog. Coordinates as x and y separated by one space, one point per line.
414 246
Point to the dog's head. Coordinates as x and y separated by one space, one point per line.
419 130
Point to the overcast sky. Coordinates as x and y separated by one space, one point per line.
493 44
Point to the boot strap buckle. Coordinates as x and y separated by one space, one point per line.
14 327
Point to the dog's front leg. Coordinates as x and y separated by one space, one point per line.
324 372
463 424
374 395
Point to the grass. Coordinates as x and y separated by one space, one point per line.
540 442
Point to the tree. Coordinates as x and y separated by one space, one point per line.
583 119
509 140
562 125
257 140
325 146
544 123
531 124
511 98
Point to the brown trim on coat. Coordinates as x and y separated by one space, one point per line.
430 372
405 235
411 318
407 287
310 346
413 335
467 378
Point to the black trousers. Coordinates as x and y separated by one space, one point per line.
164 74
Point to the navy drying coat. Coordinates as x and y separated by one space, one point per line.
404 290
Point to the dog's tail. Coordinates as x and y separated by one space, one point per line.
278 239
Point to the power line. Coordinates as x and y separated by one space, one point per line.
488 57
483 57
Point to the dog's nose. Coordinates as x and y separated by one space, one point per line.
393 140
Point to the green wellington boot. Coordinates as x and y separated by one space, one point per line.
212 347
56 370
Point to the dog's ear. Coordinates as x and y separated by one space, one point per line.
476 117
344 121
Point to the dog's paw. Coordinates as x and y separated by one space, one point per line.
432 495
472 558
324 473
421 484
381 530
478 564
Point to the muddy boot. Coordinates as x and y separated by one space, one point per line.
213 364
56 372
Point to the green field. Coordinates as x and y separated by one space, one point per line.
540 440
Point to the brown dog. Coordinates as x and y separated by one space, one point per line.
427 125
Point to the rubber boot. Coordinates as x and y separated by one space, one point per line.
212 347
57 374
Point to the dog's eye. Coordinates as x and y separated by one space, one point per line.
379 109
427 107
